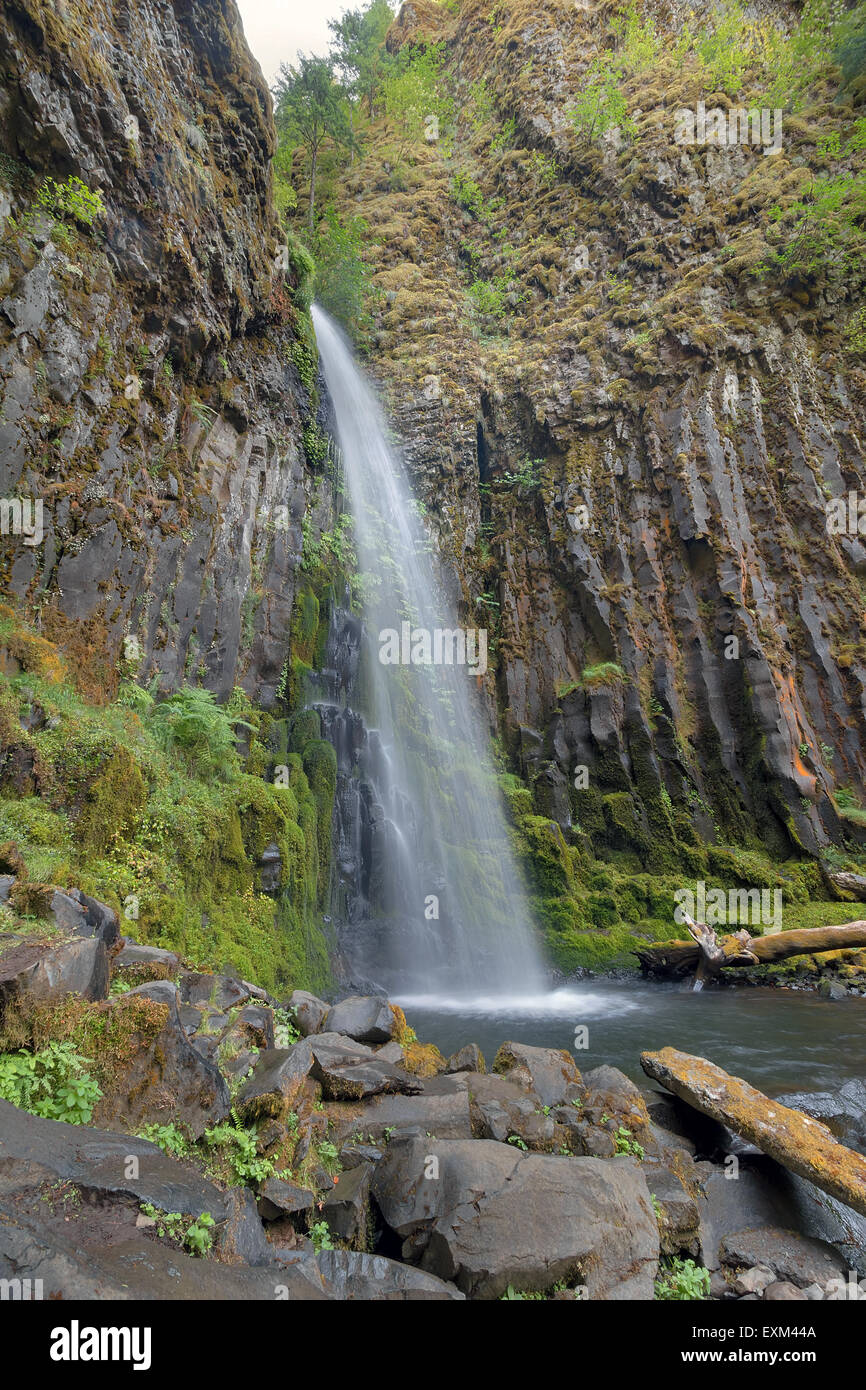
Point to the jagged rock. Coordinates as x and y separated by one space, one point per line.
76 912
753 1280
278 1197
346 1208
791 1258
347 1274
726 1205
217 991
348 1070
843 1111
252 1026
158 1077
679 1218
99 1161
468 1058
365 1018
351 1155
445 1115
143 963
548 1071
783 1293
310 1012
276 1082
494 1216
790 1137
500 1109
46 970
241 1240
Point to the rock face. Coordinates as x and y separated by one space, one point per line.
494 1217
660 624
150 397
50 971
799 1143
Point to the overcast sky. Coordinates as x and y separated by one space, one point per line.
276 29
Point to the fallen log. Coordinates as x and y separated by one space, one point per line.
676 958
802 1145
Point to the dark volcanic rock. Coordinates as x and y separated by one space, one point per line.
365 1018
487 1216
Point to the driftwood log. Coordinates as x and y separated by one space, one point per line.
706 955
801 1144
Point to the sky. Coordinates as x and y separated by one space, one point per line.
277 29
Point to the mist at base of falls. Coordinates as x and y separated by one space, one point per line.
431 899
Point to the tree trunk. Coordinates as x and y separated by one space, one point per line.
799 1143
673 959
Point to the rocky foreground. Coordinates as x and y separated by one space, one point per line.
364 1165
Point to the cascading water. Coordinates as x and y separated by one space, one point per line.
449 914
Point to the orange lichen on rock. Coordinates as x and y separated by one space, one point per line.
799 1143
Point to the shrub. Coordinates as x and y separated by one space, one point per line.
71 199
192 721
681 1280
53 1083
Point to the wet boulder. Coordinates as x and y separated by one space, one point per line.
548 1071
48 970
75 912
279 1198
138 965
217 991
486 1215
346 1208
792 1258
276 1082
504 1111
365 1018
310 1013
468 1058
445 1114
348 1070
348 1274
155 1075
241 1239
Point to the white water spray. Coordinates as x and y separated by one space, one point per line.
459 922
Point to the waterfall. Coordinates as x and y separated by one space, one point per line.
450 915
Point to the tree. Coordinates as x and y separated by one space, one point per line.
359 52
310 108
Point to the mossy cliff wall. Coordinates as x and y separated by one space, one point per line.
156 381
626 436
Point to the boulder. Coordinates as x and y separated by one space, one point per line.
252 1026
445 1115
726 1205
366 1018
241 1239
346 1208
783 1293
793 1139
75 912
140 964
486 1215
679 1218
218 991
348 1070
347 1274
390 1052
155 1074
310 1013
468 1058
278 1198
49 971
100 1162
791 1258
843 1111
6 882
500 1109
548 1071
276 1082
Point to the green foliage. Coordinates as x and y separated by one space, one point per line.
285 1029
513 1295
192 721
681 1280
359 53
625 1143
467 194
310 111
320 1235
169 1138
53 1083
171 1225
820 234
638 40
416 98
238 1148
601 105
342 279
71 199
334 550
